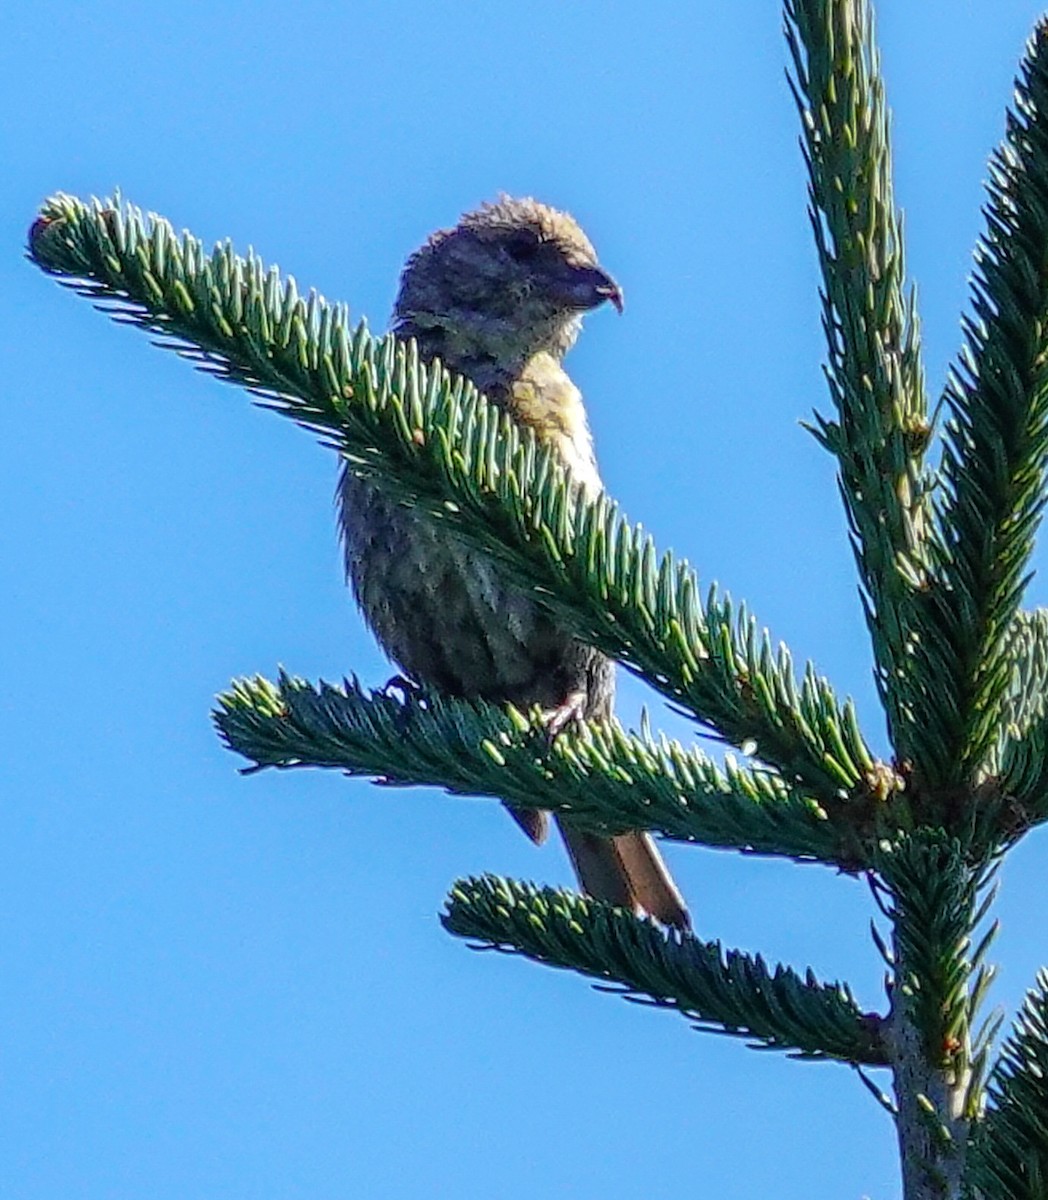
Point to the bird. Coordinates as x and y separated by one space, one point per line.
499 299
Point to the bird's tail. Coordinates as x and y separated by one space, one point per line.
626 870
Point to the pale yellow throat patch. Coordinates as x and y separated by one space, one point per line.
545 399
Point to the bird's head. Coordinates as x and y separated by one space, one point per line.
509 280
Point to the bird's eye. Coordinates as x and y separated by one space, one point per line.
523 247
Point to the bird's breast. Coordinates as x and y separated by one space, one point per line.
446 612
544 399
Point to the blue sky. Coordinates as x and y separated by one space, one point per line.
220 986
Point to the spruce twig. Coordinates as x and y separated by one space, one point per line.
1009 1157
870 322
1020 766
602 778
936 901
434 441
995 450
726 992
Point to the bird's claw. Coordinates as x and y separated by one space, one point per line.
408 688
570 712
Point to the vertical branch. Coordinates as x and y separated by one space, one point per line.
939 981
995 450
874 364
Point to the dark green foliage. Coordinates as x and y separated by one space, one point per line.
606 779
873 366
995 446
1009 1159
441 446
935 902
728 992
1022 761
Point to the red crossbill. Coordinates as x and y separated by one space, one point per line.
499 298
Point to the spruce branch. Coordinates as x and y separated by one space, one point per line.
870 322
995 449
1020 766
1027 698
937 900
604 779
722 991
1009 1155
435 442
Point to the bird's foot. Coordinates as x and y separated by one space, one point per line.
408 688
570 712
